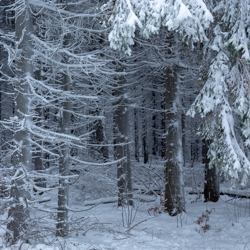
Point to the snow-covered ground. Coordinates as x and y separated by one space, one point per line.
221 225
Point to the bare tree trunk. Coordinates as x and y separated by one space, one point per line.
63 190
136 127
19 212
154 119
211 183
121 137
144 136
163 129
174 191
38 155
101 138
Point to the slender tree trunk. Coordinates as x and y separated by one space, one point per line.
38 155
163 129
63 190
211 183
101 138
121 137
144 127
154 133
19 212
144 137
64 126
136 127
174 191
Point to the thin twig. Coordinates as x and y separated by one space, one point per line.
140 223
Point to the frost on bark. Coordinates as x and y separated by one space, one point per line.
19 212
63 190
121 118
38 154
211 182
174 191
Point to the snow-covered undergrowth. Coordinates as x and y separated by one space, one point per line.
221 225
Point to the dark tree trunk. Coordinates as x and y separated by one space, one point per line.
63 190
38 155
98 137
174 191
121 119
154 133
163 129
136 127
211 183
144 138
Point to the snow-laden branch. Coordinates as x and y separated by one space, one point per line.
58 8
53 136
84 67
188 18
98 164
45 150
61 93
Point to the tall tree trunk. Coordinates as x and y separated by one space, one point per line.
154 119
63 190
101 138
136 127
174 191
121 137
38 155
64 127
144 135
163 129
211 183
19 212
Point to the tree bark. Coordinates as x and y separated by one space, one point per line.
121 118
136 127
98 137
144 136
174 191
19 212
38 155
211 182
63 190
154 119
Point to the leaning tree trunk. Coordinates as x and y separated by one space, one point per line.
174 191
19 212
211 182
121 119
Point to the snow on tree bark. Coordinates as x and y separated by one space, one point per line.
211 182
63 190
121 117
174 190
19 211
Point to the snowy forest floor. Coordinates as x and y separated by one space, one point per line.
221 225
